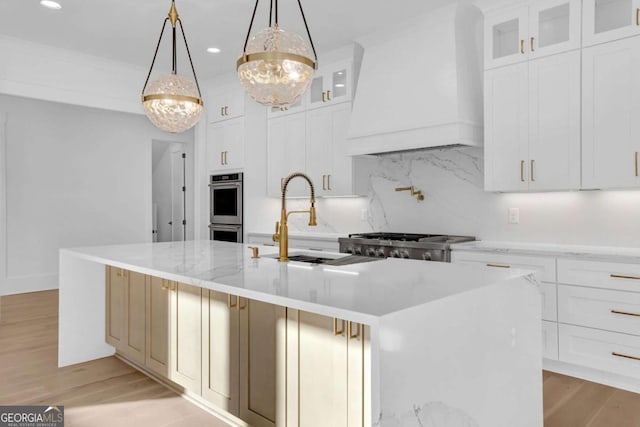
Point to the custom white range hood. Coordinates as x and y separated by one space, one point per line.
421 86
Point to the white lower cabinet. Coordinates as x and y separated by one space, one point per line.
603 350
326 372
550 340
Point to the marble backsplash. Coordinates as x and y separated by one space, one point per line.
452 182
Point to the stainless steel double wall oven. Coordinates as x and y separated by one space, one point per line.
226 198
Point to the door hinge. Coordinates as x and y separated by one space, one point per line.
184 155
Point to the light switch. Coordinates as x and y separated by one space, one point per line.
514 215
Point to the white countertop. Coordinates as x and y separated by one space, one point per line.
361 292
603 253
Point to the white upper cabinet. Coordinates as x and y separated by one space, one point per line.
544 27
300 105
533 125
225 145
607 20
225 103
286 152
331 85
611 112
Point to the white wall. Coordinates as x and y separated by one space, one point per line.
74 176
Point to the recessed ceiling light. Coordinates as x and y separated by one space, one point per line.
213 50
49 4
339 84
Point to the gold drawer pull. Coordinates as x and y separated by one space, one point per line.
335 327
522 170
637 157
533 39
165 285
498 266
625 313
533 179
522 47
229 303
638 16
324 96
240 305
351 334
613 353
618 276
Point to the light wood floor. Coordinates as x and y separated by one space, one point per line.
108 392
101 393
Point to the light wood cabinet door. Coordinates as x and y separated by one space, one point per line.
116 302
610 125
126 312
186 336
554 127
158 301
325 371
262 363
507 128
221 350
135 316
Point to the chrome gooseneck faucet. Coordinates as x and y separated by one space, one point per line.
282 230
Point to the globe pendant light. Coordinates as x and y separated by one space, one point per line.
276 68
173 102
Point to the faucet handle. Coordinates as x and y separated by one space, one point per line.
276 236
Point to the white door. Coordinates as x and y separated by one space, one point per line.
611 112
554 130
554 26
178 188
506 36
607 20
286 152
507 128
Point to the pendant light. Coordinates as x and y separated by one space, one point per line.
173 102
276 67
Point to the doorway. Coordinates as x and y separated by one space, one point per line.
169 191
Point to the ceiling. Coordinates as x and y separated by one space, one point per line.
128 30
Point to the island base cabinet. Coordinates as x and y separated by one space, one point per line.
126 320
221 350
186 336
158 309
326 371
262 363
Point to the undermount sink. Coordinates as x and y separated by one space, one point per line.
325 259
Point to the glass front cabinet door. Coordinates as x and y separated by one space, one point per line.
607 20
543 27
331 85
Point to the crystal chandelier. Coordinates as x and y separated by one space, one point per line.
173 102
276 68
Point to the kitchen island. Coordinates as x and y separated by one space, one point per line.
437 344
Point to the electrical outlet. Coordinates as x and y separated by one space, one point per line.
514 215
364 214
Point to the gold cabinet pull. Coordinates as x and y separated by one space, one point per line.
533 39
619 276
613 353
221 111
324 182
328 95
222 158
173 286
498 266
165 285
637 160
625 313
337 331
329 182
638 16
240 305
522 47
226 110
229 303
357 328
522 170
533 179
324 94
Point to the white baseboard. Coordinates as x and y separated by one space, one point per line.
26 284
593 375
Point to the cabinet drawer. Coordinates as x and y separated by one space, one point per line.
608 275
543 266
549 301
616 311
550 340
608 351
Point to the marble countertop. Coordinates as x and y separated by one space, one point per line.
602 253
360 292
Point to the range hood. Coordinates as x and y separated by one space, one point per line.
421 86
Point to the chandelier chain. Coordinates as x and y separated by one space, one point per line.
155 55
244 49
193 70
304 19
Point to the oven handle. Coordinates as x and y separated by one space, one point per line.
225 227
225 185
